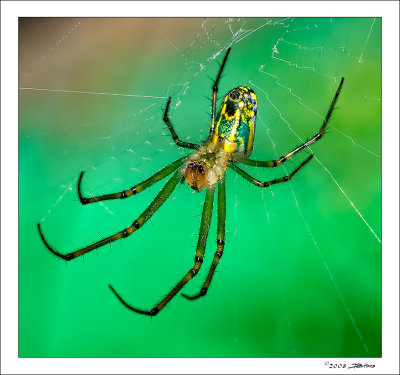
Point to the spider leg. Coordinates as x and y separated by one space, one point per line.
220 240
162 173
271 182
161 197
215 93
316 137
198 259
173 133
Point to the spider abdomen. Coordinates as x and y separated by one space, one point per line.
236 121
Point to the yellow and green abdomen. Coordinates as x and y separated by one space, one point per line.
236 121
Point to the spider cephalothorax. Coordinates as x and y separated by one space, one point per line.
230 141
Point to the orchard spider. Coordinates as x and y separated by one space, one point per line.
230 141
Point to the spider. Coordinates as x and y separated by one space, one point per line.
229 143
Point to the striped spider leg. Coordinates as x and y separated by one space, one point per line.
220 239
259 183
161 197
316 137
198 259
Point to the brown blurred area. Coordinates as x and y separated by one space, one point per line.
65 62
51 39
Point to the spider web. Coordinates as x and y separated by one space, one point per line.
92 92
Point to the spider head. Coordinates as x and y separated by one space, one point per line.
195 174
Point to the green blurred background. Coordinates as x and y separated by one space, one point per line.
301 273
